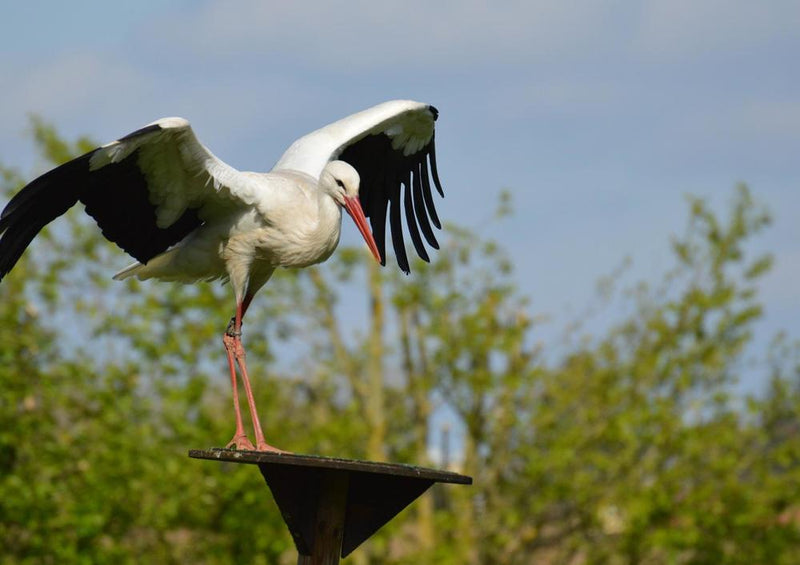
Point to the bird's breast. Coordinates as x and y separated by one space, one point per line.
300 237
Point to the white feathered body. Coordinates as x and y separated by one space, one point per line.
291 224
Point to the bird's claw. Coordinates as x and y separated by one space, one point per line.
264 446
241 443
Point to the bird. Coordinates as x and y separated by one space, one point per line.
186 216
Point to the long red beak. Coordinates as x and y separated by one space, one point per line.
353 207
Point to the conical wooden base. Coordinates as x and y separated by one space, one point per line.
333 505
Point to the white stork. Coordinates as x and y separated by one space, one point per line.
186 216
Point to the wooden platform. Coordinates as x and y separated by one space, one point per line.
333 505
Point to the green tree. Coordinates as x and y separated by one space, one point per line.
630 447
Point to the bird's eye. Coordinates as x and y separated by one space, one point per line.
340 183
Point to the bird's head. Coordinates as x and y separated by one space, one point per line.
341 181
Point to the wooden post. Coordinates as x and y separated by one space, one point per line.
329 521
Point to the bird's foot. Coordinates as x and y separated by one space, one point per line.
241 443
264 446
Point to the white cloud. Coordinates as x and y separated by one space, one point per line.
371 34
572 96
106 96
773 119
680 28
72 83
356 36
77 91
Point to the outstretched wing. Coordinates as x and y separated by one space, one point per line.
392 148
146 191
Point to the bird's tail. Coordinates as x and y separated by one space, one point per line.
129 271
168 266
158 267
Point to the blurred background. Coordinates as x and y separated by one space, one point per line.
607 340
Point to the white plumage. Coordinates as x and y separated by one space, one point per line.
187 216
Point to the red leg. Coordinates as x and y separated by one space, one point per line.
235 350
239 440
248 298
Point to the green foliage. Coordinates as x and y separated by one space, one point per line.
631 447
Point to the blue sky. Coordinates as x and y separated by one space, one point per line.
599 116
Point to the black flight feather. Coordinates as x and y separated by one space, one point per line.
411 220
428 195
384 173
419 207
115 195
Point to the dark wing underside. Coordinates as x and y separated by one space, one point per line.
116 196
392 182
